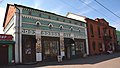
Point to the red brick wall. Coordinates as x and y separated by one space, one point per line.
102 24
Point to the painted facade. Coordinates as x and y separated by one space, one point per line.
101 36
43 36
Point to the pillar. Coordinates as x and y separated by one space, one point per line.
62 44
86 39
38 45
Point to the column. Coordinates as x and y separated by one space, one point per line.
20 32
86 38
38 45
73 45
62 44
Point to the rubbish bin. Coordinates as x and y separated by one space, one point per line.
59 58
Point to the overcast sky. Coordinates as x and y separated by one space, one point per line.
61 7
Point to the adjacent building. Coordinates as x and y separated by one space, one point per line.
43 36
101 36
118 36
6 49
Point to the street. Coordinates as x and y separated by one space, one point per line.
97 61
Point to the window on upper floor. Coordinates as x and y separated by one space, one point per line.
50 26
99 32
109 33
61 27
105 31
38 23
91 30
71 28
79 30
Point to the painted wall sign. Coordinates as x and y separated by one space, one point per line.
6 37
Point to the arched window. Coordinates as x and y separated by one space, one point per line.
38 23
99 31
61 27
50 26
79 30
91 30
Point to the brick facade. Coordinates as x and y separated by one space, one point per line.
101 36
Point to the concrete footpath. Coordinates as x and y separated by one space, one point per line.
97 61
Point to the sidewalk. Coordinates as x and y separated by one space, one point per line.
81 61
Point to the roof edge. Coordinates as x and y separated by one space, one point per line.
46 12
6 13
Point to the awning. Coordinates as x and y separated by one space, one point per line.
7 42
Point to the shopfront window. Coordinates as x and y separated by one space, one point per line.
79 47
51 49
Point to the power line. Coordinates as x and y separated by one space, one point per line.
89 7
96 10
107 9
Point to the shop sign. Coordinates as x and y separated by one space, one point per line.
48 33
5 37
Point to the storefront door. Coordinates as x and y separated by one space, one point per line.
3 54
28 46
69 48
50 49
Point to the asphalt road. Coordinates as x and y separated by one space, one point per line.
98 61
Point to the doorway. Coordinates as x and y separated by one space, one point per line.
50 48
69 48
29 50
3 54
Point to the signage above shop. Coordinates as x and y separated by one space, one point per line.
6 37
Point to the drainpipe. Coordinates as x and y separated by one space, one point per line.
18 33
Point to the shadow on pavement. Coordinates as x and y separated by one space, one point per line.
86 60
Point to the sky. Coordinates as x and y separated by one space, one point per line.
61 7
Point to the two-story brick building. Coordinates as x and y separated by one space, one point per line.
42 35
101 36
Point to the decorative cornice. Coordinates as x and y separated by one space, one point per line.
38 18
53 26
